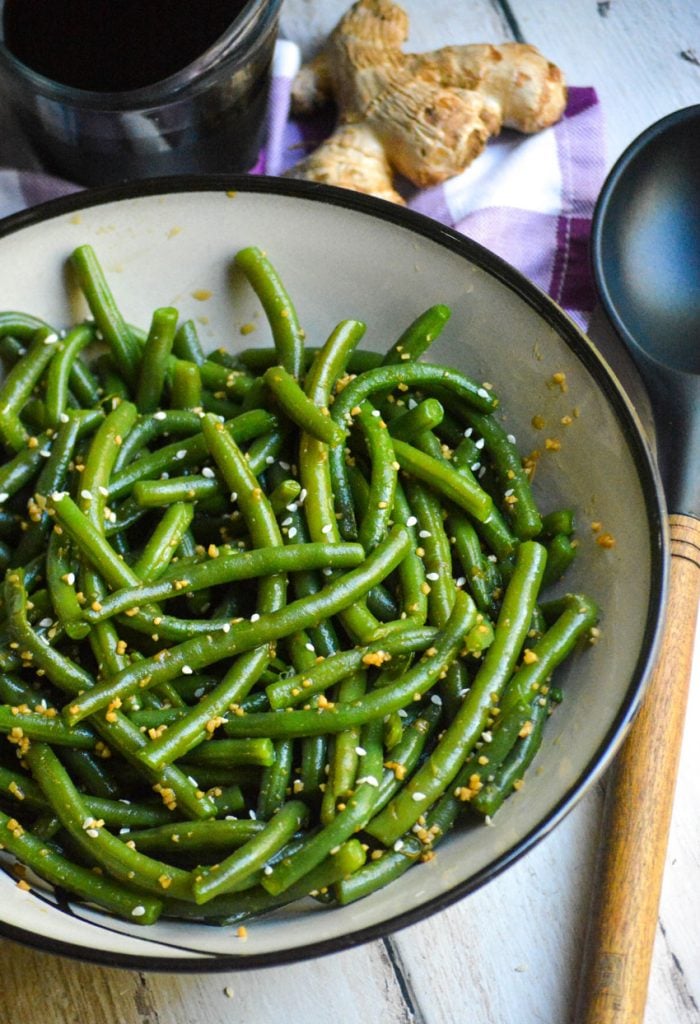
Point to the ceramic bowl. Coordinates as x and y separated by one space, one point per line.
343 255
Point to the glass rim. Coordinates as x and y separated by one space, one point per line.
195 73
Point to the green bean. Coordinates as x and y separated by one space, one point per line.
188 452
275 780
315 420
426 415
382 487
211 882
279 309
19 385
299 687
38 726
508 775
236 907
58 377
515 482
185 385
186 344
559 521
418 336
103 307
154 359
82 882
233 752
344 757
444 480
470 721
561 552
380 702
164 541
51 478
353 818
193 836
93 839
576 614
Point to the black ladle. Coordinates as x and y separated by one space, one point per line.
646 258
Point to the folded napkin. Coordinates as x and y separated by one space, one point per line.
529 198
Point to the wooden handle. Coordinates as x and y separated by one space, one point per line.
637 812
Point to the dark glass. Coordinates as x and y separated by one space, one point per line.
205 116
114 45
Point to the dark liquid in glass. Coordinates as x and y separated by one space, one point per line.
113 45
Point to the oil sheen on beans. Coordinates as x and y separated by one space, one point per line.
113 45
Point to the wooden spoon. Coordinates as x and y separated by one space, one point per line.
646 256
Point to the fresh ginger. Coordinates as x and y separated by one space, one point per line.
425 116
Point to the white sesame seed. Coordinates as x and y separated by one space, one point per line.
50 339
424 533
270 459
398 845
252 815
234 495
186 670
226 628
92 832
64 417
267 870
460 581
480 443
376 412
327 528
45 453
159 415
483 393
254 617
436 699
292 532
284 465
45 623
411 521
360 751
511 438
138 911
418 797
432 576
310 647
208 472
181 453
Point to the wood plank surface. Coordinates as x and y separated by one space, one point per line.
508 954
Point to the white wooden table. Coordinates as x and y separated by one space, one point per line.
509 954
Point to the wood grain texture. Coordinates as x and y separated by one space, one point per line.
638 56
638 810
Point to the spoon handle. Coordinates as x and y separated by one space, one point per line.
637 811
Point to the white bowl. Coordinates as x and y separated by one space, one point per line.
171 242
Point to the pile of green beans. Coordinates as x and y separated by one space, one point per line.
272 621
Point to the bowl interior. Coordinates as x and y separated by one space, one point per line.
345 256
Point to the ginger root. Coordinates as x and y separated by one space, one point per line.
425 116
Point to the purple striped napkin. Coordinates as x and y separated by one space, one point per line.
528 198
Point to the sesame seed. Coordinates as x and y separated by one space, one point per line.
292 532
208 472
181 453
138 911
411 521
418 797
254 617
327 528
186 670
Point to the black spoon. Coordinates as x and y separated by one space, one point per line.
646 258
